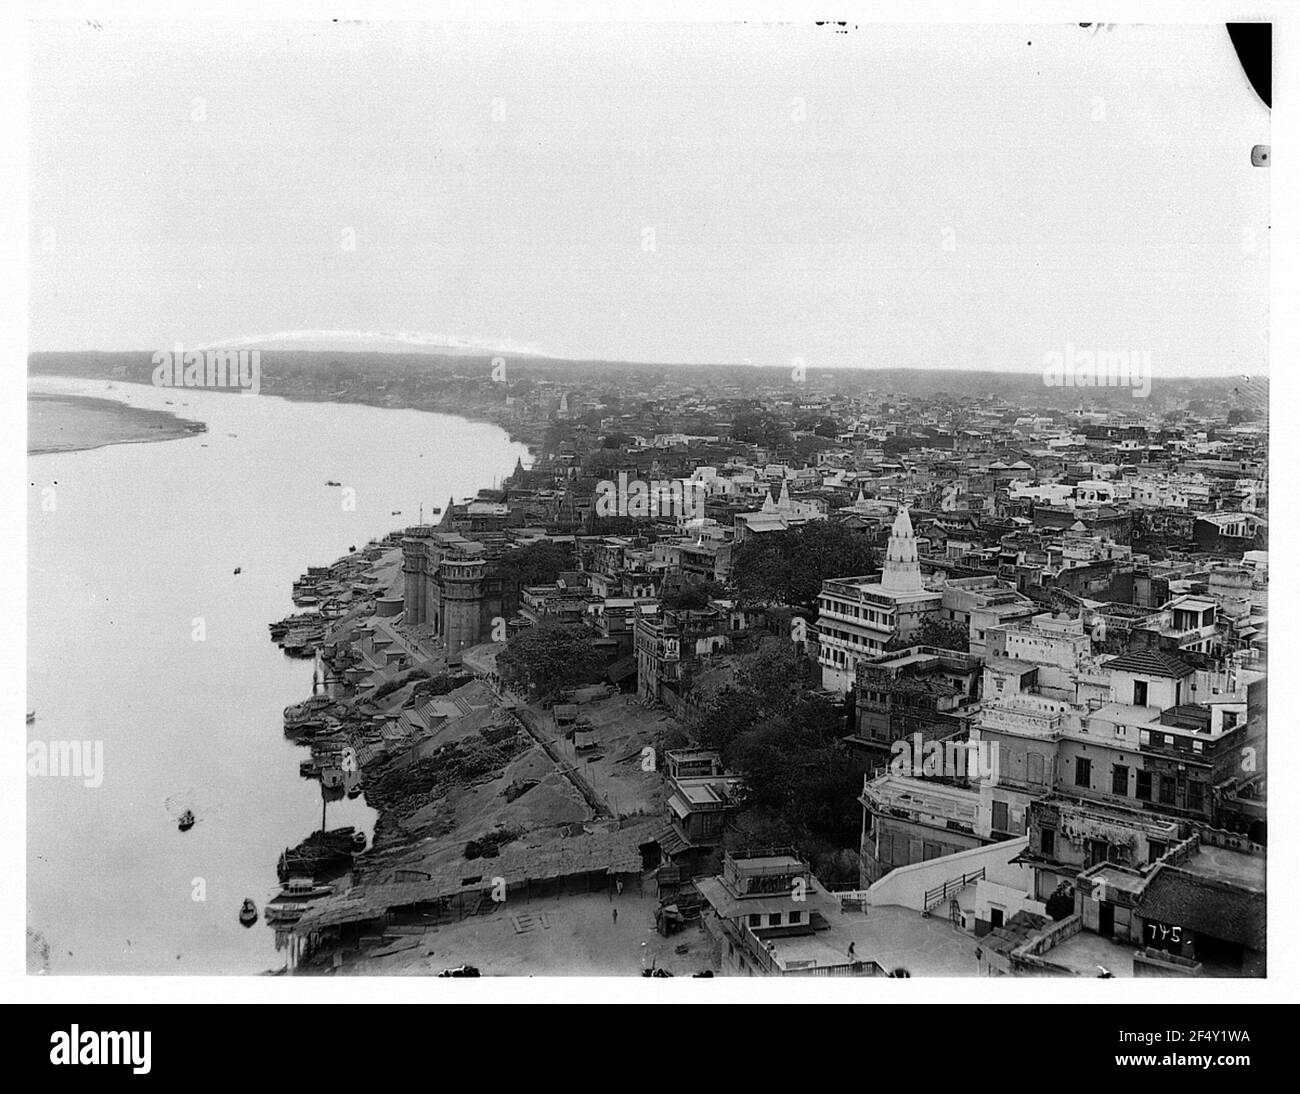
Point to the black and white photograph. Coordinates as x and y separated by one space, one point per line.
570 497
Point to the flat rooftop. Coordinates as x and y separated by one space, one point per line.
700 793
1223 864
1011 665
770 862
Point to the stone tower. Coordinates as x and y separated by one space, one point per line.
460 576
415 569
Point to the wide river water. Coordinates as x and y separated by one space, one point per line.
143 642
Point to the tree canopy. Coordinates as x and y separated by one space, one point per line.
693 595
548 657
943 633
799 782
789 567
537 564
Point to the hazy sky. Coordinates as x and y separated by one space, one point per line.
935 196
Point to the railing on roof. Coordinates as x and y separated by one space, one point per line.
938 895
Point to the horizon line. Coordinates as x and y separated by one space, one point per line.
547 357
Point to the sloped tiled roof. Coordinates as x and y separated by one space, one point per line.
1151 663
1206 907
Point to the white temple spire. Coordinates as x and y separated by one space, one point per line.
902 568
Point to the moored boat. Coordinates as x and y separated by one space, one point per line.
281 627
186 821
318 853
308 710
305 888
248 913
294 897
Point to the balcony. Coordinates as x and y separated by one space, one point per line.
910 799
855 621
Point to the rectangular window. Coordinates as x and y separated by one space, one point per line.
756 920
1139 693
1082 772
1195 795
1166 790
774 920
796 917
1119 780
1144 786
1047 842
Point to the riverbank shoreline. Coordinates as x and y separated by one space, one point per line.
95 423
532 439
241 510
472 410
482 805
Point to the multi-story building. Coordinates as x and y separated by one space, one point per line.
859 617
909 819
700 798
769 916
1164 740
1191 897
671 640
978 604
922 689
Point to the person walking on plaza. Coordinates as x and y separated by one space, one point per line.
615 917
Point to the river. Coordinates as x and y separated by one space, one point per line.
144 643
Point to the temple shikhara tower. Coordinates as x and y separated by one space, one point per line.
902 574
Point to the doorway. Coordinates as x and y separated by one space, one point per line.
1106 927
